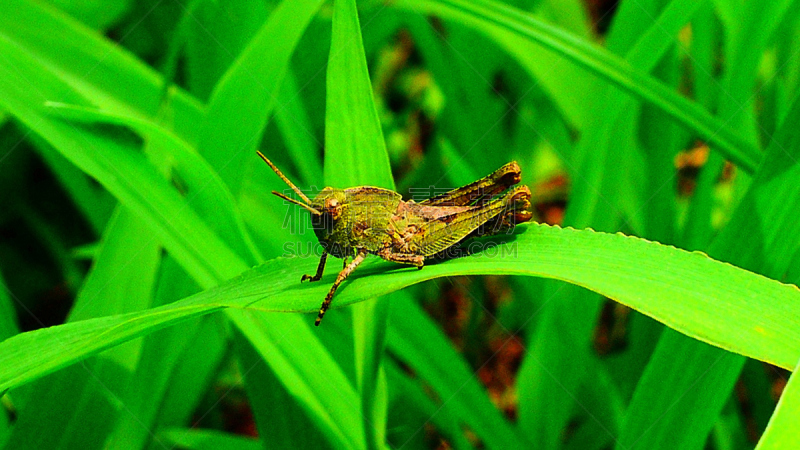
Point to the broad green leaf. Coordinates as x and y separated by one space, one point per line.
712 301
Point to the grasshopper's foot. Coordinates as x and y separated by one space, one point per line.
310 278
320 269
518 206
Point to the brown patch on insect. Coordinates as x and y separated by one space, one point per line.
409 234
448 219
360 228
411 231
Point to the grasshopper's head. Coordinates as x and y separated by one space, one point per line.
327 213
331 203
331 226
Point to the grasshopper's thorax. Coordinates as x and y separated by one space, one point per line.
353 218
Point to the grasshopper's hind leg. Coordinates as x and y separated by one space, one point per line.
402 258
342 275
320 269
517 210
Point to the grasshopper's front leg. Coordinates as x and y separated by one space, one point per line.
320 269
362 253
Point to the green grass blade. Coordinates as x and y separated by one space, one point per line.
78 402
688 399
603 64
8 328
197 439
289 426
708 374
8 314
232 129
195 373
308 372
213 35
114 159
415 340
124 171
355 155
149 383
94 202
606 154
413 408
200 184
100 70
294 124
782 431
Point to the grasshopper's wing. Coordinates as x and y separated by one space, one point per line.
441 233
481 190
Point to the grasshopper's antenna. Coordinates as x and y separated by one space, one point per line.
285 180
291 200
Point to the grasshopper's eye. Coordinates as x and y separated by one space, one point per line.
332 208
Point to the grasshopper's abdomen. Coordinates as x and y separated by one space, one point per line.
455 224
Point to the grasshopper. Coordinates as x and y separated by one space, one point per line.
355 222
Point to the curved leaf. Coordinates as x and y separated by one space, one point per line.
712 301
